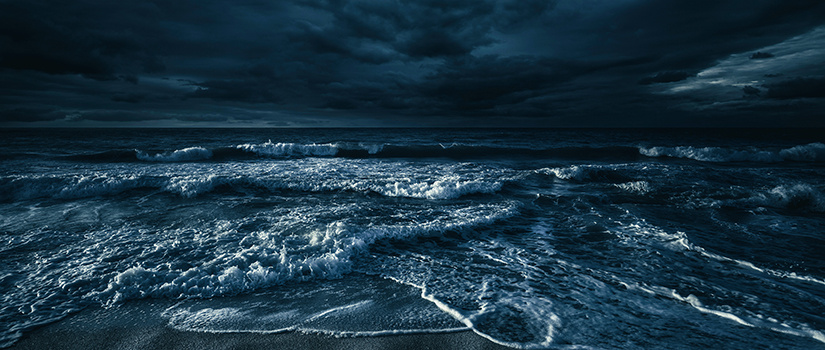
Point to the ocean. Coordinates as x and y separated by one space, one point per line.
531 238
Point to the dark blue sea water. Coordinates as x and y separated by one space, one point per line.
617 239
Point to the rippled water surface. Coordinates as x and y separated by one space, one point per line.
531 238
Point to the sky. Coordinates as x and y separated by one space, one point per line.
385 63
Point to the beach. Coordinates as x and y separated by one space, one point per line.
139 326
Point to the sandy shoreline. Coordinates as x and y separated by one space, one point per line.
166 338
139 327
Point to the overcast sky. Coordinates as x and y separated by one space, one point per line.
587 63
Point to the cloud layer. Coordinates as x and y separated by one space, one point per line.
426 62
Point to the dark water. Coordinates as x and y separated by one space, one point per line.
531 238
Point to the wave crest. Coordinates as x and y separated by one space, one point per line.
441 189
798 197
813 152
591 173
181 155
108 184
290 150
269 257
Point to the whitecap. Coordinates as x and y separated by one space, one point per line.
181 155
638 187
439 189
813 152
290 150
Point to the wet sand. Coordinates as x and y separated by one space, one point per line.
140 327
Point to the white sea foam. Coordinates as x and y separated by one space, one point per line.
105 183
366 318
568 173
751 320
798 196
684 242
191 180
439 189
211 320
679 241
691 299
270 257
290 150
192 185
814 152
77 186
638 187
98 184
181 155
360 305
380 333
373 148
585 173
711 154
492 318
500 307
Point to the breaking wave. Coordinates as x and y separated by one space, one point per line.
23 188
181 155
290 150
801 197
286 150
813 152
269 259
587 173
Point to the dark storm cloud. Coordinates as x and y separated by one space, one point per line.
761 55
813 87
254 91
114 115
665 77
494 85
751 91
686 35
418 29
26 114
487 82
130 98
378 62
71 38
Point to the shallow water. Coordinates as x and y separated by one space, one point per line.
531 238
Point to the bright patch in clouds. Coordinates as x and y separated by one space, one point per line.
793 58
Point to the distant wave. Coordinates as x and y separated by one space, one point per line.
465 151
290 150
813 152
21 155
23 188
111 156
587 173
181 155
286 150
802 197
